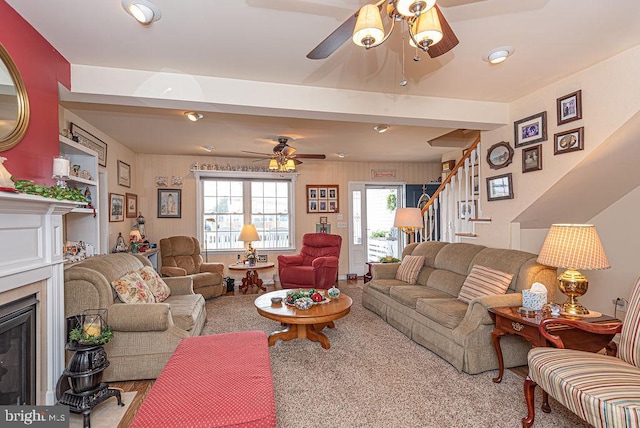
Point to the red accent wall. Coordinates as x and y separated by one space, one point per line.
41 67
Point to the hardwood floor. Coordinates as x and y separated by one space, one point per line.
142 387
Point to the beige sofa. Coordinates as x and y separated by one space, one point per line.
145 335
430 313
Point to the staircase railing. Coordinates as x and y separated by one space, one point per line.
456 206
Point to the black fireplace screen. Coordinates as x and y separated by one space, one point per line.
18 352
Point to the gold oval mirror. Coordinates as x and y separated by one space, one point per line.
14 104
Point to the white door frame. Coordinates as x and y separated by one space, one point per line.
358 251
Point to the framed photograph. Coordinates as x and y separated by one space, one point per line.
499 187
532 158
124 174
499 155
530 130
116 207
569 107
448 165
132 205
263 258
90 141
323 228
467 209
323 220
568 141
322 198
169 203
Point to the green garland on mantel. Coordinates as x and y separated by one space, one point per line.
54 192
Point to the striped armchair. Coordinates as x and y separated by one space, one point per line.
603 390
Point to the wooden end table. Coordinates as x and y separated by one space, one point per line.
509 321
251 278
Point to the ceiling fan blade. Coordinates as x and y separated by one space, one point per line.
311 156
287 150
335 39
257 153
449 39
296 161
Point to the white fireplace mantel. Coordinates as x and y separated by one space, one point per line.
31 244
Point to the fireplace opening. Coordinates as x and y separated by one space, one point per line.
18 352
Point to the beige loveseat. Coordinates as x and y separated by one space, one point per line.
430 313
144 335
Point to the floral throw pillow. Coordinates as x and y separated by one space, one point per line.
131 288
158 287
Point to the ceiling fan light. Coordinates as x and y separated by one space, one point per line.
414 7
368 31
273 164
427 30
290 165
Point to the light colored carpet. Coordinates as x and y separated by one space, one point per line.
374 376
106 414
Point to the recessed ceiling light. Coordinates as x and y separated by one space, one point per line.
381 128
208 148
498 55
341 155
193 116
143 11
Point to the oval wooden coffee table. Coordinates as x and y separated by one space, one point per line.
302 324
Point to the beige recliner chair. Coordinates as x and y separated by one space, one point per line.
181 257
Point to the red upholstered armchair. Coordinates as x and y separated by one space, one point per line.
317 264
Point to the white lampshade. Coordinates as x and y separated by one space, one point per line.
414 7
427 27
408 218
368 30
248 233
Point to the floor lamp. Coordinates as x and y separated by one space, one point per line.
408 220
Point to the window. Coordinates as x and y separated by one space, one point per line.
230 202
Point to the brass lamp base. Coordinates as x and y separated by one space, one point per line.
573 284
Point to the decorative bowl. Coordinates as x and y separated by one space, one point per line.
276 300
333 292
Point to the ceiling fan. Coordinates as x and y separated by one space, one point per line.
284 157
428 28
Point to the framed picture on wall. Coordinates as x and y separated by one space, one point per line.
499 187
569 141
116 207
90 141
124 174
322 198
530 130
532 158
569 107
169 203
132 205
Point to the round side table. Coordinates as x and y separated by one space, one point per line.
251 277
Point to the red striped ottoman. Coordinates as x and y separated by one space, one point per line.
222 380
